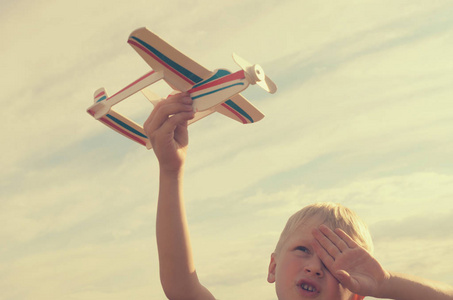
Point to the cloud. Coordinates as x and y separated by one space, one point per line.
107 271
425 226
336 109
408 195
361 117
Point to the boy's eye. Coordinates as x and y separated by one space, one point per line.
303 249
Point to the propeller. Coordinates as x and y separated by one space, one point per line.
255 74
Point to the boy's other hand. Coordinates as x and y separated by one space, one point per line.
353 266
166 128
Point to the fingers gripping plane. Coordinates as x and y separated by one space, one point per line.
217 91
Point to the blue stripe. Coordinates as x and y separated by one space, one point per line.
183 71
215 91
121 123
220 73
238 109
102 98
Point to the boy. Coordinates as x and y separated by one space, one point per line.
314 258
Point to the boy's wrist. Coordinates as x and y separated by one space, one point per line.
385 287
171 172
171 166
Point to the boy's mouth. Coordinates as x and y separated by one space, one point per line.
308 287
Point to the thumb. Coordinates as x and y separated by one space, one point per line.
342 275
346 280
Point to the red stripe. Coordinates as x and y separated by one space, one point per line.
102 93
244 121
160 61
133 83
107 122
238 75
121 130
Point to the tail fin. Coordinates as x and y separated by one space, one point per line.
100 107
100 95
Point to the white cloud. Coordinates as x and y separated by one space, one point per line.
108 271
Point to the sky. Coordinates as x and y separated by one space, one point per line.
363 116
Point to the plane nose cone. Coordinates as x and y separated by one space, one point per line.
258 72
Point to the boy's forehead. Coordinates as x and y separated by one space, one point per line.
305 227
309 223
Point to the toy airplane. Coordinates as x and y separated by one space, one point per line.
216 91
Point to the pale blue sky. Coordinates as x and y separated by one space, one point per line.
363 116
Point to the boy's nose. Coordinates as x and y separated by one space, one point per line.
314 267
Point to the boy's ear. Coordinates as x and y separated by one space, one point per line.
272 266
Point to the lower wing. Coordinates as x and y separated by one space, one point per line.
240 109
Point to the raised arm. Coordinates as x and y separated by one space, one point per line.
405 287
166 127
361 273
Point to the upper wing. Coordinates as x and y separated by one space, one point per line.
180 72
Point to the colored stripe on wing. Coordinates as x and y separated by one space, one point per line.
165 61
126 126
122 128
238 111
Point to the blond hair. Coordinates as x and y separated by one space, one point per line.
334 216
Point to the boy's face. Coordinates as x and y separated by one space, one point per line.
298 272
